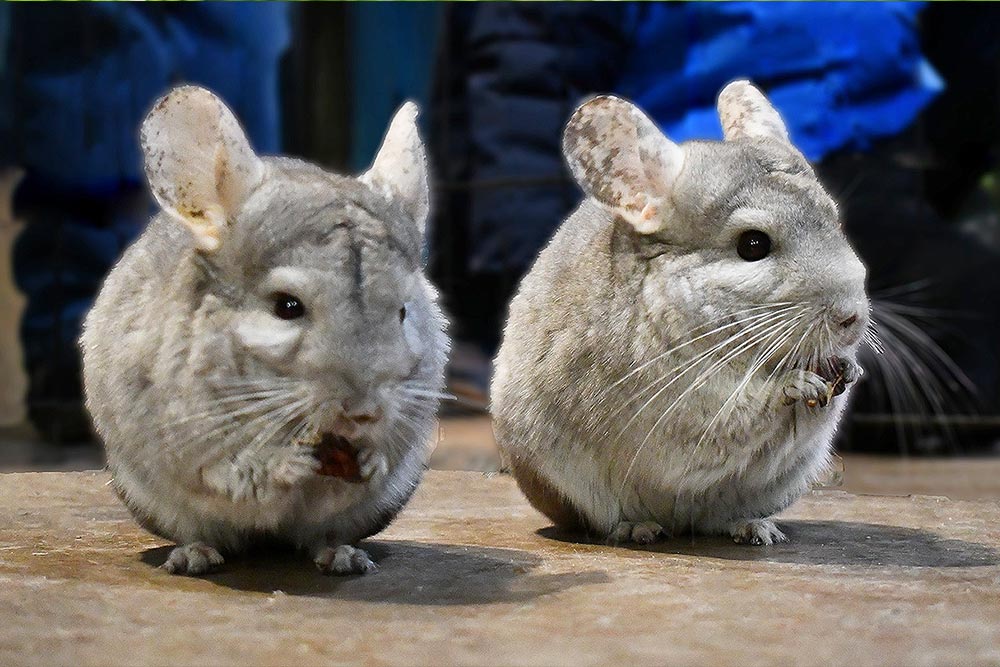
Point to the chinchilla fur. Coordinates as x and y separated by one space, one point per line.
659 374
268 305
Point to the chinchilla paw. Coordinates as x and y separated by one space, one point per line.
239 482
344 559
643 532
295 464
193 559
372 465
807 387
850 370
757 532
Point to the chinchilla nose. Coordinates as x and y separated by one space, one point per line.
362 413
849 316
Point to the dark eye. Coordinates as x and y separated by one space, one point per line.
753 245
288 307
402 314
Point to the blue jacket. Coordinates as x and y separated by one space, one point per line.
842 75
80 77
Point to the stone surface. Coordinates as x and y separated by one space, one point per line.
470 574
960 478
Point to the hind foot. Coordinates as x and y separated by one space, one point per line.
193 559
344 559
644 532
757 532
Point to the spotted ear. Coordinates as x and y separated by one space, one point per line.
746 113
400 167
198 161
623 161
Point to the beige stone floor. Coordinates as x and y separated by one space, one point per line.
471 575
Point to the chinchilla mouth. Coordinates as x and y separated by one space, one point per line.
337 456
833 370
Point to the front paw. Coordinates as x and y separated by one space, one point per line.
805 386
372 465
293 465
239 483
845 371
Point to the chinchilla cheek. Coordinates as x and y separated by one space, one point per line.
268 338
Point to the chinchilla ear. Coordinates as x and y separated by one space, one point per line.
400 167
198 162
746 113
622 160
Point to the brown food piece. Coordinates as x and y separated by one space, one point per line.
338 458
832 370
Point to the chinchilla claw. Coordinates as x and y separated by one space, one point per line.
805 386
372 464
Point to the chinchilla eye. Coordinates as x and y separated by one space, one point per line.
288 307
402 314
753 245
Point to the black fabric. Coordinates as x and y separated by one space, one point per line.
918 260
508 77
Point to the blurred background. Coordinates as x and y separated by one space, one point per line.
895 103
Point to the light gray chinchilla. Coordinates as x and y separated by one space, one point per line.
680 354
264 363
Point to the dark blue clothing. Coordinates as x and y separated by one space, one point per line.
78 80
80 77
842 74
509 76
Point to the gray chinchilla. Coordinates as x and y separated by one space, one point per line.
681 352
264 362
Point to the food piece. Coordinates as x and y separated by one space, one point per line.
338 458
833 370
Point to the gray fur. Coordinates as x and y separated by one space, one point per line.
590 400
191 378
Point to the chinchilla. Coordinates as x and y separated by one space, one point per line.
680 354
264 362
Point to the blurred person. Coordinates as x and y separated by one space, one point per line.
854 88
77 80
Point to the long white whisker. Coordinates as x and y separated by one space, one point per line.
694 386
781 338
684 368
661 355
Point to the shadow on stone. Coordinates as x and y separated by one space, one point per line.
409 573
826 543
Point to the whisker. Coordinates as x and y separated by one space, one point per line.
699 382
604 394
781 338
686 366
